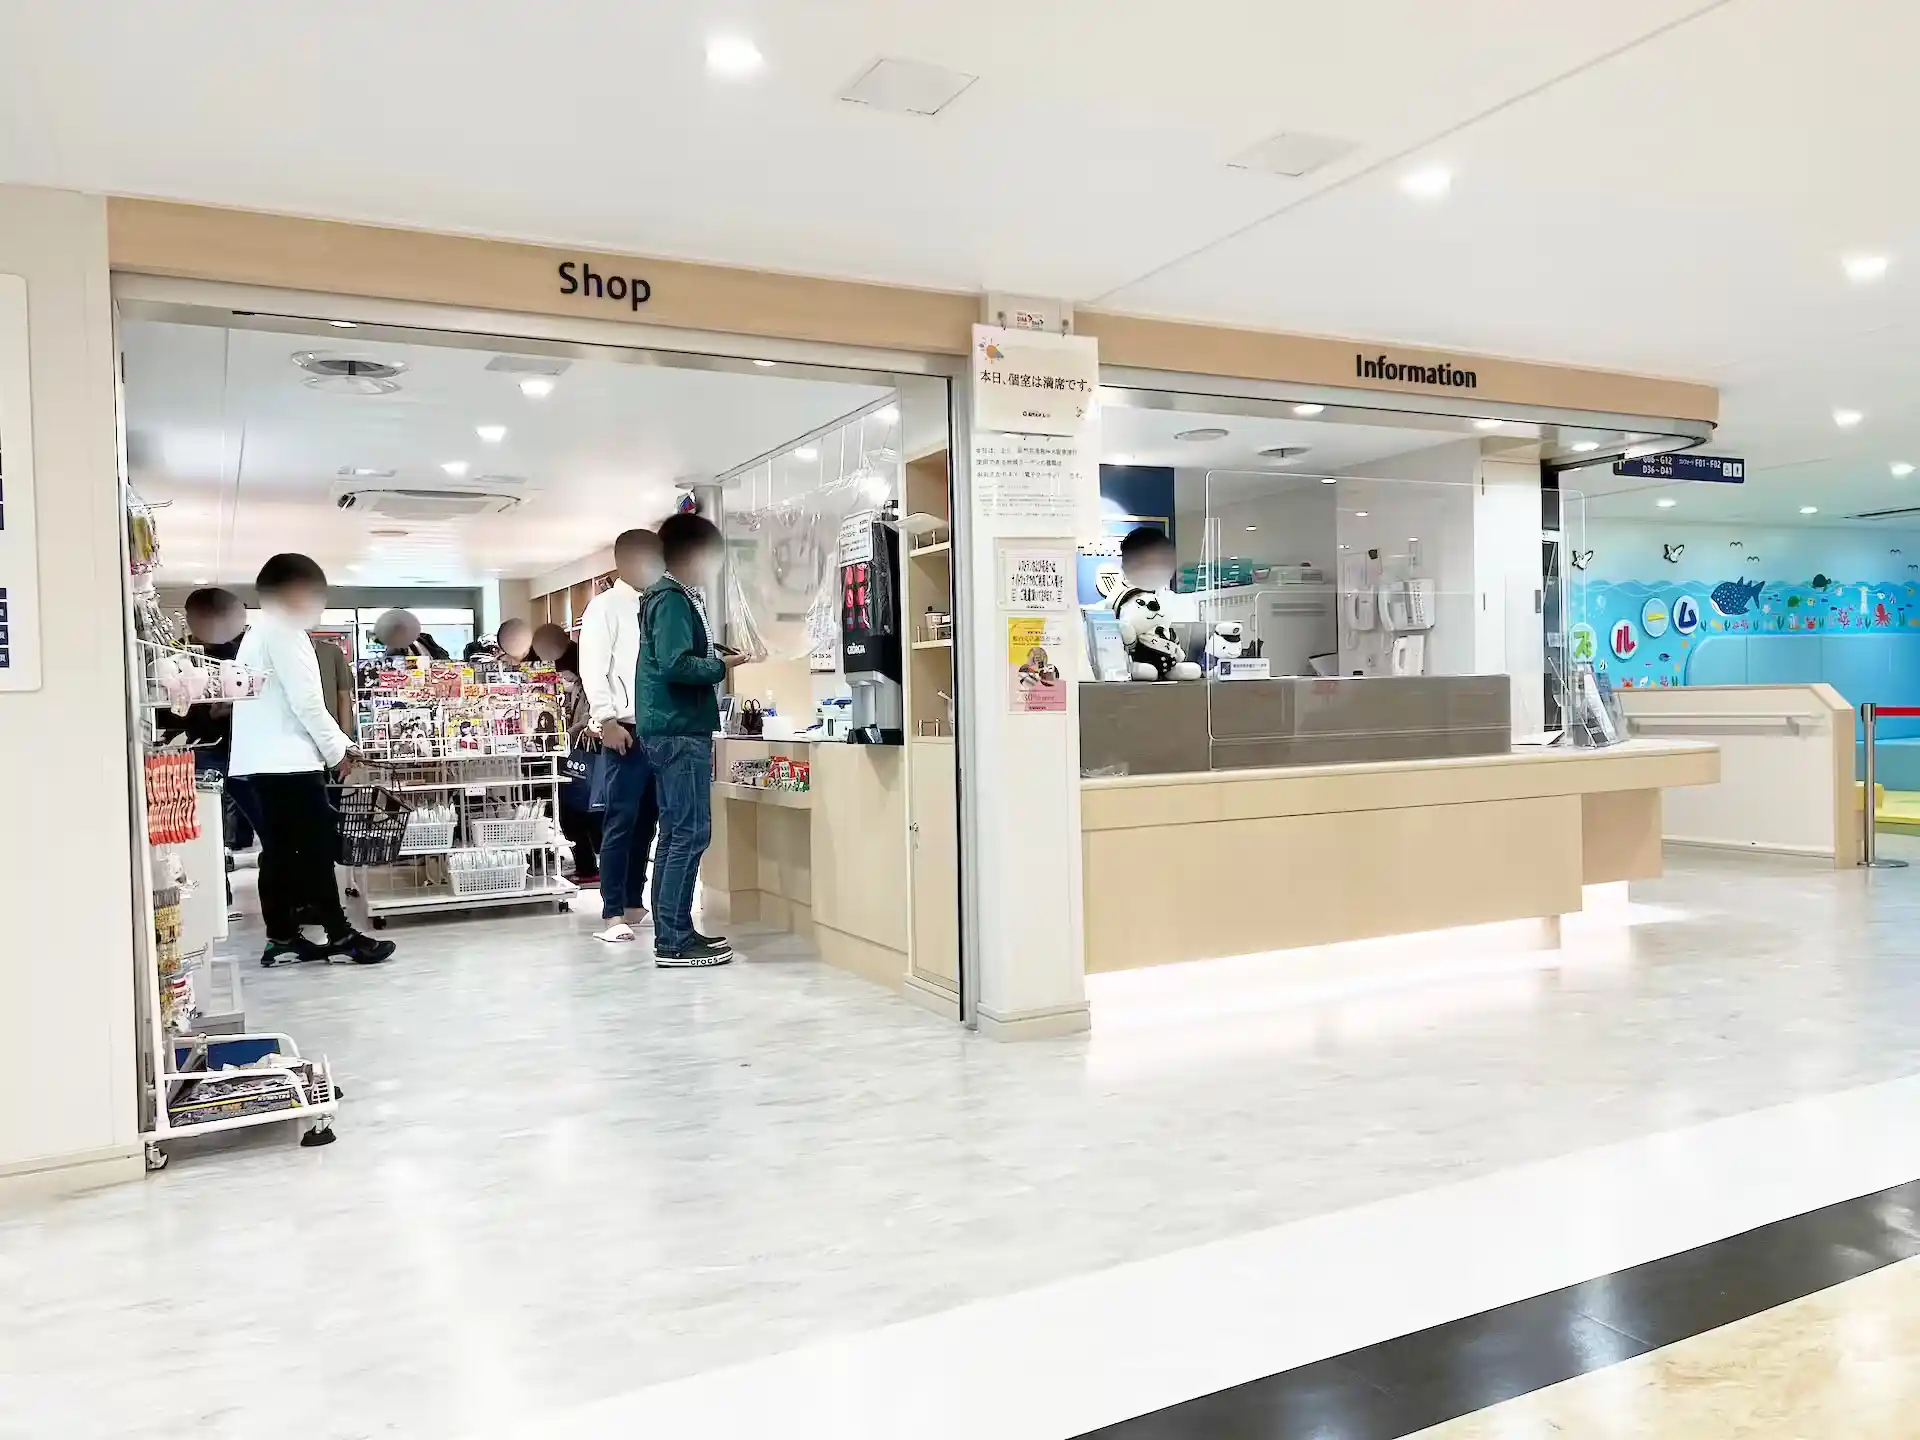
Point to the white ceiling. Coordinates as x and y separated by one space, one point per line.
221 425
1659 185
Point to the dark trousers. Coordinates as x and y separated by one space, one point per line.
683 779
626 839
298 840
583 829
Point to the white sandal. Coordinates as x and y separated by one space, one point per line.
618 933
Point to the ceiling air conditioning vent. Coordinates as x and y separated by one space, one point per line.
409 503
336 373
528 365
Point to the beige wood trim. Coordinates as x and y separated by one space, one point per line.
1846 789
152 237
1404 785
1324 360
197 242
1619 836
881 964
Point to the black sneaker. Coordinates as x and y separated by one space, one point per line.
361 949
292 952
698 955
719 942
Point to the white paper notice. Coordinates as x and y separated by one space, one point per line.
1032 484
1031 382
1037 579
856 538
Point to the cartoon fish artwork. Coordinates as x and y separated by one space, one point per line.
1793 602
1665 656
1733 597
1820 582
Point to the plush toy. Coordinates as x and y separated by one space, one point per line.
1228 642
1154 651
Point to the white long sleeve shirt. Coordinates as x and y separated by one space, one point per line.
286 729
610 652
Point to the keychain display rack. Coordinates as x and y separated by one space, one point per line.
475 754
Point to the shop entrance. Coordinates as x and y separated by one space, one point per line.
463 494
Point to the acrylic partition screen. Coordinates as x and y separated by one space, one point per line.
1372 576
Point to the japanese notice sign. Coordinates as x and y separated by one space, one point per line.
1036 649
1037 579
1039 483
19 557
1032 383
856 538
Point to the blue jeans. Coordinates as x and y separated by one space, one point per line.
683 778
631 818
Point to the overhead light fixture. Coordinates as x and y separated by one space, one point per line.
1488 424
1847 419
1329 480
1359 514
1864 269
1204 432
344 324
455 468
1901 469
1252 528
1309 409
1430 182
1666 504
1585 445
764 364
536 387
1809 509
492 434
806 454
733 57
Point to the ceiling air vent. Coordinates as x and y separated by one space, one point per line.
907 87
335 373
408 503
528 365
1284 452
1291 154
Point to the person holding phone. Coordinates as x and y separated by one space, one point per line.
286 743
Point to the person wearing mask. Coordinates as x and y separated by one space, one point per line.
677 713
579 821
609 652
285 743
398 632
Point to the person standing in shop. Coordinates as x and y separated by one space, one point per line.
216 619
511 645
336 682
609 653
677 713
285 744
579 821
398 632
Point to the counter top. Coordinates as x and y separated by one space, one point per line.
1520 754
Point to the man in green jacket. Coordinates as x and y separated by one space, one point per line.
676 714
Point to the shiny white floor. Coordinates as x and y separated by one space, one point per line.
564 1176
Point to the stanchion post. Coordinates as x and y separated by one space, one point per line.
1869 835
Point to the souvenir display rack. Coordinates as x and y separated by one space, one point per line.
192 1083
476 753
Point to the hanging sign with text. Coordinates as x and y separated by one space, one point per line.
1031 383
1716 469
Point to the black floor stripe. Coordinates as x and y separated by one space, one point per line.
1399 1386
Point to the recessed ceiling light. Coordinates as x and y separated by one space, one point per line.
1428 183
764 364
1864 269
1359 514
1252 528
343 324
1847 419
1901 468
1585 445
455 467
1488 424
806 454
887 414
1666 504
1309 409
492 434
1204 432
536 387
733 56
1329 480
1809 509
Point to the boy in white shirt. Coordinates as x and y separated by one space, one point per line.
609 653
285 741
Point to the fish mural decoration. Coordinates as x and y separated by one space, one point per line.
1735 597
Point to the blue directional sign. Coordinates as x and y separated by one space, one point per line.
1685 465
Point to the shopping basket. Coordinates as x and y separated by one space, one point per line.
372 824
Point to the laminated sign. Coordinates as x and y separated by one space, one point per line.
1026 382
1037 579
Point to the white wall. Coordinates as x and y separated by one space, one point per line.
1508 577
1428 497
67 1088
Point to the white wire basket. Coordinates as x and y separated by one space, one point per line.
489 834
495 880
433 837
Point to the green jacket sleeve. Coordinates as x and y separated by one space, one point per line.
674 642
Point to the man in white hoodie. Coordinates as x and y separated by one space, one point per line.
609 653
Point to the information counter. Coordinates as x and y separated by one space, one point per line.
1213 863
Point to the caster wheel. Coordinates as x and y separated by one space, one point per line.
156 1159
353 892
378 922
318 1135
339 1091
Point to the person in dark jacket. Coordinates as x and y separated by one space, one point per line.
676 713
398 632
579 821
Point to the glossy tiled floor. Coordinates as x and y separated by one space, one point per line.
563 1175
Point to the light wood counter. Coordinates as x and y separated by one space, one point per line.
1257 860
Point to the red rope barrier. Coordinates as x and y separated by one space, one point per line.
1896 710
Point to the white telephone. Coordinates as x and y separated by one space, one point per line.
1359 608
1420 604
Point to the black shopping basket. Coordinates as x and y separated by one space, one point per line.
372 825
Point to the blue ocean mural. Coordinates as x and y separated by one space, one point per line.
1652 633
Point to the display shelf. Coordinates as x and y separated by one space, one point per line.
491 783
428 900
920 522
933 644
941 547
765 795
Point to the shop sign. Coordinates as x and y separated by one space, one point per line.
578 277
1715 469
1446 374
1030 383
19 556
1037 579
